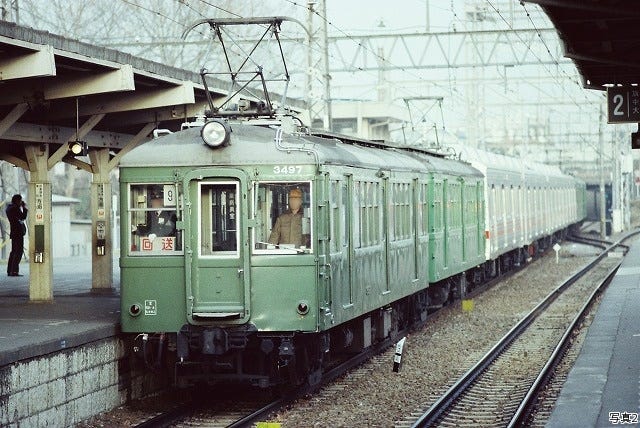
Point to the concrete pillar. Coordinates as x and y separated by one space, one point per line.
39 225
101 236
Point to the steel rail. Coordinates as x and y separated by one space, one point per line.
169 417
327 377
523 412
593 242
431 416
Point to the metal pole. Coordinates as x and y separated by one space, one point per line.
427 24
309 82
603 233
327 76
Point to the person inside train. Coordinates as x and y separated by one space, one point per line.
160 222
288 227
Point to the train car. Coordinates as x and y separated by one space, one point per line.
375 236
529 205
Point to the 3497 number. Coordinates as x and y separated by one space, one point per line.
287 169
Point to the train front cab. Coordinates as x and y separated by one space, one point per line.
249 296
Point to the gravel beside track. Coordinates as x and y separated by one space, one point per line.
492 400
450 343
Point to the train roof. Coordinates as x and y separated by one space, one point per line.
256 145
487 161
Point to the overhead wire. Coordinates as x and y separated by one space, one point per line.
316 46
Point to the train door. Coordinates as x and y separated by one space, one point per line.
217 271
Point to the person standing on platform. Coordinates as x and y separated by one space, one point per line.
16 213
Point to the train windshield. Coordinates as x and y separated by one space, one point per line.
153 213
283 214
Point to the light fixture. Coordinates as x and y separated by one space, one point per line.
78 148
215 133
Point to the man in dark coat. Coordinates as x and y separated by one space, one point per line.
16 213
160 222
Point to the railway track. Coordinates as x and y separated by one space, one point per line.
243 413
501 388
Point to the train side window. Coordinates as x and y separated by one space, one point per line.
219 215
337 216
438 207
423 210
153 215
282 211
355 212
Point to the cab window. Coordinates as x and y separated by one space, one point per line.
283 215
153 214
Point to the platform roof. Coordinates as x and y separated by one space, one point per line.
602 37
51 85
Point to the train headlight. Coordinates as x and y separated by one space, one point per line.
215 133
134 310
303 307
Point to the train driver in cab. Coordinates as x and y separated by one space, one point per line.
160 221
288 227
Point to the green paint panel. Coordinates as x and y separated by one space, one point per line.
160 288
276 293
218 289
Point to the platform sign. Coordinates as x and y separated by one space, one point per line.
623 104
39 199
100 193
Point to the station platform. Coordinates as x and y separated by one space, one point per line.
603 387
75 317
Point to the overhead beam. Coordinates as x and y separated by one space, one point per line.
30 133
14 160
12 117
111 81
65 86
78 163
581 5
135 141
176 95
38 63
158 115
601 59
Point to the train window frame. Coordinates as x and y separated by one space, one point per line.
220 254
307 187
141 246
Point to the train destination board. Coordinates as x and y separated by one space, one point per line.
623 104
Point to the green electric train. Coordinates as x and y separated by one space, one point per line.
375 236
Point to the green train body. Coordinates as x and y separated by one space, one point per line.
390 233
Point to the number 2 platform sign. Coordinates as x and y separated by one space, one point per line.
623 104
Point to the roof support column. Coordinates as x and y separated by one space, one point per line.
39 200
101 208
101 222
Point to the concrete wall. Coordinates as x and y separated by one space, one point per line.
61 230
66 387
80 237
